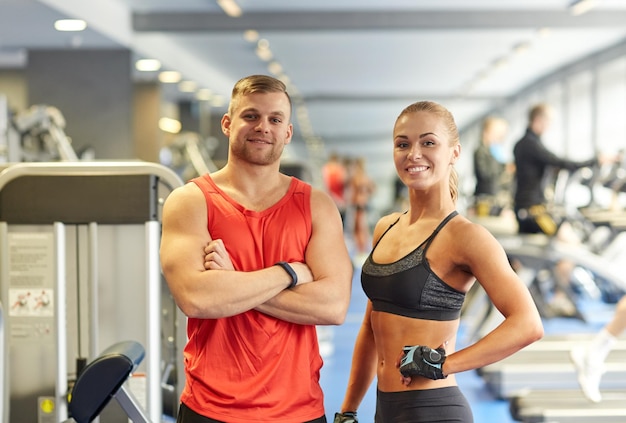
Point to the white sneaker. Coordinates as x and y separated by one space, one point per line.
588 374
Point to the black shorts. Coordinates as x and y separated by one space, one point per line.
187 415
423 406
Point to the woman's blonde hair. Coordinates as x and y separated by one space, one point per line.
453 133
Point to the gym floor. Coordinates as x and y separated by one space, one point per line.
337 344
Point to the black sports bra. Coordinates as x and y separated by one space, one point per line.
408 287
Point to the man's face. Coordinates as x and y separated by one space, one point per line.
543 122
259 127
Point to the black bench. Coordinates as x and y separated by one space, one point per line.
103 379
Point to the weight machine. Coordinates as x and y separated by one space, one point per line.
79 268
34 135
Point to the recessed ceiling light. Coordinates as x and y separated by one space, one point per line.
147 65
70 25
187 86
251 35
501 62
578 7
263 51
217 101
275 68
521 48
170 125
230 8
170 77
204 94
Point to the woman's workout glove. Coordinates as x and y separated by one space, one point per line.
423 361
347 417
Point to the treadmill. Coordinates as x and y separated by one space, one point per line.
545 365
568 406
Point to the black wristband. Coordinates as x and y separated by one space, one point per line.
290 271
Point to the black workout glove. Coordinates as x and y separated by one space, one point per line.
347 417
423 361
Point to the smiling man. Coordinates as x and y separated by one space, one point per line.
255 259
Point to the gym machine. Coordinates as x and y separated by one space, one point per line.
189 155
79 268
104 379
545 365
568 406
34 135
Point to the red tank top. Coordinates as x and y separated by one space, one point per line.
253 367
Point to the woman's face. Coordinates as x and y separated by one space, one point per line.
422 150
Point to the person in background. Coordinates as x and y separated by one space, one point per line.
255 259
335 180
400 195
361 189
490 167
423 262
532 163
589 359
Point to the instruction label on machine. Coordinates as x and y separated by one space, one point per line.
31 274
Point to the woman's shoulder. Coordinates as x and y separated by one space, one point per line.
386 221
390 218
467 233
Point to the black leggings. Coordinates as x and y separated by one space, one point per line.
423 406
187 415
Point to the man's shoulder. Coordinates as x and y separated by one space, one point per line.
528 140
188 191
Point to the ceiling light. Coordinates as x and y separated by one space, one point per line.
544 32
578 7
147 65
217 101
275 68
521 48
204 94
170 77
230 8
264 54
170 125
501 63
293 91
70 25
187 86
251 35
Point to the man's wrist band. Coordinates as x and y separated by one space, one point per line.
290 271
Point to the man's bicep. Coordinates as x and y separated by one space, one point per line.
327 252
184 234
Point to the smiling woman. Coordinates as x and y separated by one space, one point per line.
423 262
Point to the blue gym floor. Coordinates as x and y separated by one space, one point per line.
338 356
